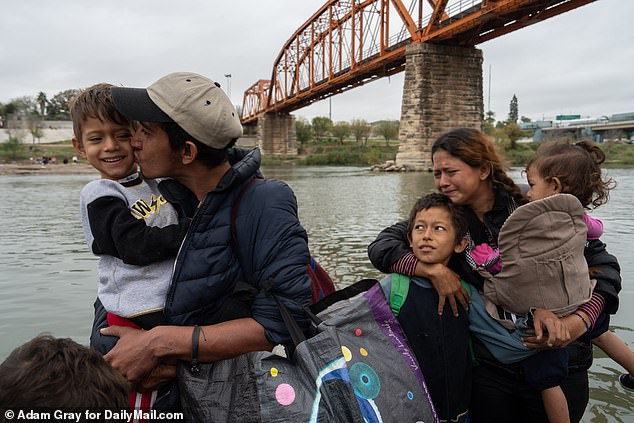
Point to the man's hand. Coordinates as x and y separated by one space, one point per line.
131 356
447 284
559 330
161 374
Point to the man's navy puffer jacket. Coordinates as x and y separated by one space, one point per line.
273 251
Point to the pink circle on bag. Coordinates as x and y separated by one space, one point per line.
285 394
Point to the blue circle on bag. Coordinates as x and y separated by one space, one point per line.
365 381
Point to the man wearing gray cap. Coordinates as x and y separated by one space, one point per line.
186 129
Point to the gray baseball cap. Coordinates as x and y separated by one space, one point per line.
197 104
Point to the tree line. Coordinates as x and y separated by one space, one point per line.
33 109
322 128
39 107
30 111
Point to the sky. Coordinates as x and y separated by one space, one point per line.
580 62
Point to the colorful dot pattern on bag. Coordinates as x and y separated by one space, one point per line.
285 394
273 371
410 395
365 380
363 352
358 332
347 354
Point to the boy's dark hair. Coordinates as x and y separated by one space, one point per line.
210 157
94 102
59 373
578 168
432 200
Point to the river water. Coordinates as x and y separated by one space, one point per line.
47 274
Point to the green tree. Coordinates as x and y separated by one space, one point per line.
58 107
499 131
35 128
303 130
513 110
42 102
489 123
6 109
387 129
490 117
360 130
21 107
340 131
321 126
513 133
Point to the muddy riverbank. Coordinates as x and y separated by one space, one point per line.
27 167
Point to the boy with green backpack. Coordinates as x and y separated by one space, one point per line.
436 230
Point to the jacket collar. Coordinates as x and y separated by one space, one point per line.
245 163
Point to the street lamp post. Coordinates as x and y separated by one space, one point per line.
228 76
330 108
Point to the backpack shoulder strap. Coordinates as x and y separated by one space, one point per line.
466 286
234 209
398 292
234 233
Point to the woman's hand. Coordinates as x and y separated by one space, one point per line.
559 330
132 355
576 324
447 284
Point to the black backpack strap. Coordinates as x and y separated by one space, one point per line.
234 210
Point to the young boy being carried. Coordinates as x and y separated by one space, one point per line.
126 220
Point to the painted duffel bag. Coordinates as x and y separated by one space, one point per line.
356 367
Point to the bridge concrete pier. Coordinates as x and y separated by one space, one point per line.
276 134
442 91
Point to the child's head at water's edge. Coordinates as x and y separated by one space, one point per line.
102 135
436 229
58 373
563 168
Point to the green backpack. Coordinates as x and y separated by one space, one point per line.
400 289
398 295
398 292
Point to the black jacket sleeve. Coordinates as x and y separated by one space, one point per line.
389 246
604 267
117 233
275 248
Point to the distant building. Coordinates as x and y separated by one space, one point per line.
620 117
618 127
538 124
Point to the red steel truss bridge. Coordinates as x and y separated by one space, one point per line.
348 43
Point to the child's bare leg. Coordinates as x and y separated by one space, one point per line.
556 405
616 349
